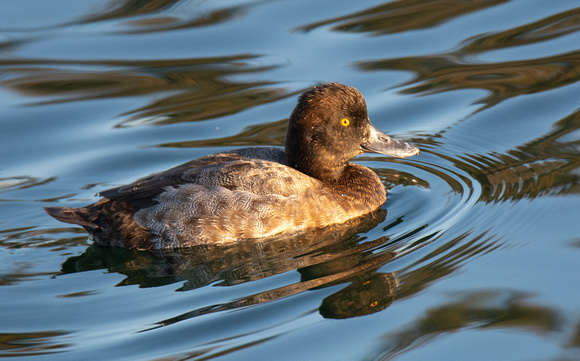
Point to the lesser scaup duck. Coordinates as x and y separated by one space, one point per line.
253 192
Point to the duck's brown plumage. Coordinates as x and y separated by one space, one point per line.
252 192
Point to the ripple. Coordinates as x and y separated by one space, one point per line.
461 68
273 133
401 16
441 73
30 344
545 166
546 29
8 184
431 213
26 237
166 15
442 190
180 90
479 310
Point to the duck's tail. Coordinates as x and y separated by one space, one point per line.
70 215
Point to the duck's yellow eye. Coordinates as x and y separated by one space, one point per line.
374 304
345 122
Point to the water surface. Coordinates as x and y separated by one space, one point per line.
475 254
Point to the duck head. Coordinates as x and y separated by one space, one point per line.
329 126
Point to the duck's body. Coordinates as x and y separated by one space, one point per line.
253 192
221 198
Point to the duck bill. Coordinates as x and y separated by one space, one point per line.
379 142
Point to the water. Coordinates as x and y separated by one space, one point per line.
474 256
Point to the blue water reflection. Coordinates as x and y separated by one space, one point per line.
473 256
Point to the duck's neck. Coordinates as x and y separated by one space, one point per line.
323 167
361 185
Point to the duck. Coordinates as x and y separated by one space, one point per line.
257 192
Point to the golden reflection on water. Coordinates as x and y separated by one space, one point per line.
156 16
30 344
128 8
273 133
545 166
190 89
459 69
474 310
403 15
440 73
551 27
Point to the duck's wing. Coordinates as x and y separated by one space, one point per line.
152 185
249 169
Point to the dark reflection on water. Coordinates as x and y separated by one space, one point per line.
156 15
324 257
575 339
130 8
14 238
545 29
193 89
403 15
273 133
504 80
446 260
22 182
32 343
474 310
456 70
545 166
365 295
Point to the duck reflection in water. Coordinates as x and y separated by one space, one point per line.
324 257
251 213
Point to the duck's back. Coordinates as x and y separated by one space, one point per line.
220 198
